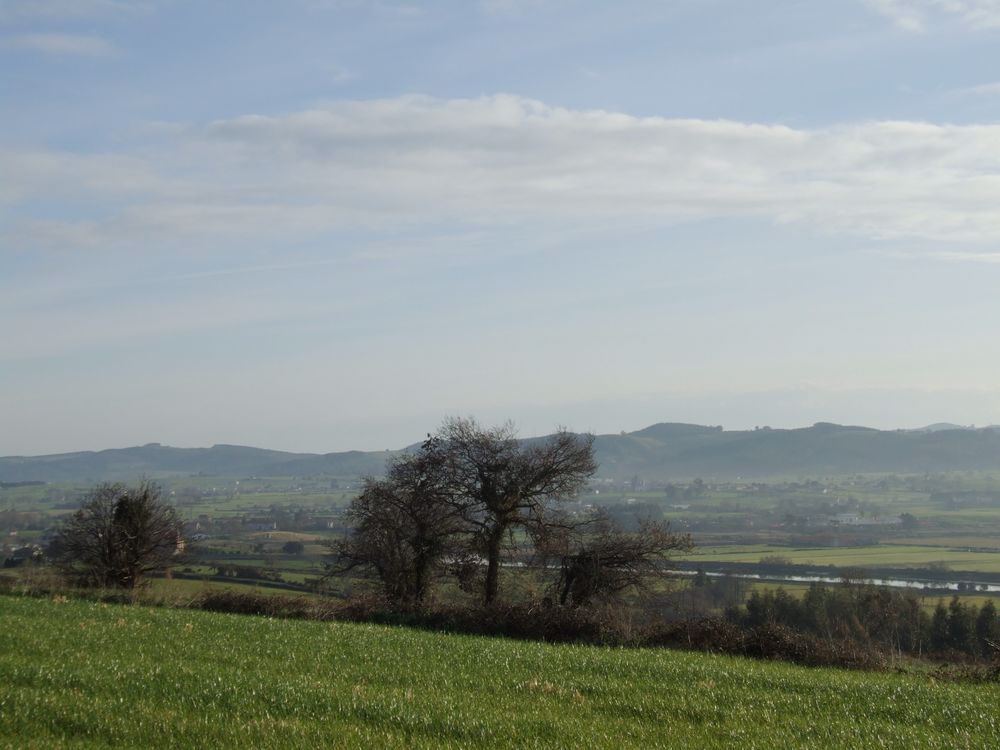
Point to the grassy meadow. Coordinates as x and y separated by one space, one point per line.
874 556
82 674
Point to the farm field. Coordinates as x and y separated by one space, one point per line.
882 555
80 674
240 526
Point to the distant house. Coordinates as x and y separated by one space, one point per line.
261 524
854 519
328 521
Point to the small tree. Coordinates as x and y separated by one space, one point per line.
962 626
988 629
503 485
404 526
293 548
118 537
939 635
610 560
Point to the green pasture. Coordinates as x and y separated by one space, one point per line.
882 555
215 496
79 674
178 590
973 541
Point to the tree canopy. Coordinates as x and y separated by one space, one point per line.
119 536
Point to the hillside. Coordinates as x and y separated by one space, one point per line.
683 451
75 673
157 461
661 451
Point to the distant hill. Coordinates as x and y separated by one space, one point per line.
661 451
159 461
940 427
679 451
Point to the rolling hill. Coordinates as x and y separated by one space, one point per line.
661 451
78 674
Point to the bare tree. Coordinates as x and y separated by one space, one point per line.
404 526
118 537
610 560
502 485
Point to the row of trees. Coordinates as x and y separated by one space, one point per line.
468 499
871 614
965 628
472 497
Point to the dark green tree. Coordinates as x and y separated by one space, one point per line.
940 634
988 629
962 626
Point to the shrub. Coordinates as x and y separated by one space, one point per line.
118 537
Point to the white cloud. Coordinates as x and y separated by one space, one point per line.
922 15
52 10
983 89
377 6
505 160
964 257
74 45
63 176
336 73
515 7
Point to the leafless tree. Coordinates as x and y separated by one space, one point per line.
502 485
609 560
118 537
405 527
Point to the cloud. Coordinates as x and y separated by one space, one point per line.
508 161
921 15
65 176
965 257
337 73
514 7
57 10
983 89
378 6
62 45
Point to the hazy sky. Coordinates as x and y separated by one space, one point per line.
327 224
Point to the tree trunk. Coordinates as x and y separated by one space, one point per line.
421 575
567 584
493 543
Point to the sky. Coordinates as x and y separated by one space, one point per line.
322 225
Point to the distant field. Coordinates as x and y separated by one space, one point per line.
928 602
77 674
883 555
178 588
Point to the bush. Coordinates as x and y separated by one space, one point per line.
118 537
774 642
252 603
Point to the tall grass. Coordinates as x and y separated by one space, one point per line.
87 674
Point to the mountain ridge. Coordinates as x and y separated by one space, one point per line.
661 451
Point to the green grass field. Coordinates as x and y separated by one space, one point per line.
80 674
882 555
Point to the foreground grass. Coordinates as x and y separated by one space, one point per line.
80 674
